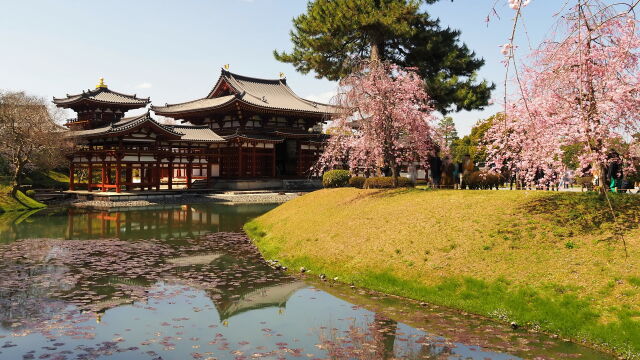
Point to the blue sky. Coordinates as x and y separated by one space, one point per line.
172 51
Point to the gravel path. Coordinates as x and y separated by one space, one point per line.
227 198
254 198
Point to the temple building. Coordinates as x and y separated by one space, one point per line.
244 129
270 131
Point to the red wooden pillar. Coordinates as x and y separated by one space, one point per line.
104 177
208 172
189 173
90 177
220 161
141 176
118 175
158 175
273 161
72 170
108 176
253 160
240 162
170 174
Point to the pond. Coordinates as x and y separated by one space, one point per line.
183 282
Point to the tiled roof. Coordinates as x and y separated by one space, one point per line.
179 132
123 125
200 104
102 95
269 94
196 133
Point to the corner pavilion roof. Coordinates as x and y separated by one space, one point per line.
174 132
266 94
102 95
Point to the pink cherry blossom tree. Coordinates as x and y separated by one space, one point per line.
581 88
385 121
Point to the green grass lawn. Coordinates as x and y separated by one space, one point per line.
549 261
20 203
37 179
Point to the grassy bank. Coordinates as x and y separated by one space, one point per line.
544 260
36 179
20 203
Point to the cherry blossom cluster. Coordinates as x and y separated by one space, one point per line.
518 4
582 89
386 121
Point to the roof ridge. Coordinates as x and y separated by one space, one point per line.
183 126
316 103
135 96
186 102
145 117
251 78
90 92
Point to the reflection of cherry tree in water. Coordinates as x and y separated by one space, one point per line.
384 336
380 339
26 304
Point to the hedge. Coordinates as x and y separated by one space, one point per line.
336 178
386 182
357 182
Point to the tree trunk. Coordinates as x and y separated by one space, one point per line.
394 174
16 181
377 49
602 177
375 53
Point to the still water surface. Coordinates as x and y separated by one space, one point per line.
182 282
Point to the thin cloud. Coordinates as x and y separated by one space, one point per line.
144 85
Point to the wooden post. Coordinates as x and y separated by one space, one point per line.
220 170
273 161
240 162
158 175
189 172
208 172
170 174
149 177
118 175
90 177
104 176
141 176
72 170
253 160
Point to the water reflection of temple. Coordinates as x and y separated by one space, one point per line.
160 222
261 286
163 222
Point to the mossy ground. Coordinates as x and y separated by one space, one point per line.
20 203
549 260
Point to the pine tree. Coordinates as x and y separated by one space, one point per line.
334 36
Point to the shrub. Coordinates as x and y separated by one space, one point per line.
30 193
386 182
482 180
357 181
336 178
